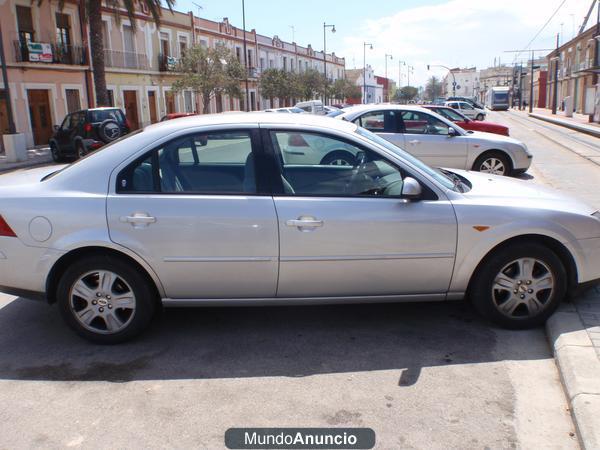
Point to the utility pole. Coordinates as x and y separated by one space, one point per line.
520 86
365 70
247 102
325 26
555 87
387 83
9 111
531 85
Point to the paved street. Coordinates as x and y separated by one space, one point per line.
422 375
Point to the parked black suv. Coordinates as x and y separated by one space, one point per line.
84 131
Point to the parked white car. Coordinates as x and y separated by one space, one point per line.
439 142
472 112
312 107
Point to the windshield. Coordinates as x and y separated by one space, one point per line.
100 115
437 174
451 114
501 97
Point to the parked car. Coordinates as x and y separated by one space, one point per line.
467 109
312 107
172 116
468 124
335 113
292 110
202 211
469 100
439 142
84 131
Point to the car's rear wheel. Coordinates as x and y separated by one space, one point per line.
480 117
494 163
519 286
105 300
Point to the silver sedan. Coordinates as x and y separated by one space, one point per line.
240 209
439 142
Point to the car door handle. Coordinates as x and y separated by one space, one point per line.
304 222
414 142
138 219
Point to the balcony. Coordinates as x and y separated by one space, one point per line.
167 63
253 72
125 60
48 53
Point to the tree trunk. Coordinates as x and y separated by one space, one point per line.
94 11
206 103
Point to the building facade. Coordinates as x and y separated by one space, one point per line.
49 71
467 82
372 91
573 68
494 76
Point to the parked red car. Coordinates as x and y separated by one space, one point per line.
172 116
466 123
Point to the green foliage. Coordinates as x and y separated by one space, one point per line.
279 83
433 88
343 89
312 84
209 72
406 93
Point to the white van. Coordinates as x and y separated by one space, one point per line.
312 107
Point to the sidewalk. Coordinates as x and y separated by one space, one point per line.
574 335
35 157
579 122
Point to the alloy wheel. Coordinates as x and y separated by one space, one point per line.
523 288
102 302
493 166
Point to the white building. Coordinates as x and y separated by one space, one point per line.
373 93
467 82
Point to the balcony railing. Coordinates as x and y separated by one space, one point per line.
48 53
125 60
167 63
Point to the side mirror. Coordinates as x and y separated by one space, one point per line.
411 189
452 132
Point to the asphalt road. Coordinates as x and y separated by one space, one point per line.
422 376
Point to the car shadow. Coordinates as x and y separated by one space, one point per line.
296 341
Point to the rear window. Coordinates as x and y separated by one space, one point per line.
100 115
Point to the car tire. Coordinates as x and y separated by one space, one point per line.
56 156
109 131
495 163
519 286
81 150
480 117
338 158
106 314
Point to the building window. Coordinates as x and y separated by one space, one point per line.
25 24
238 54
183 43
73 102
271 64
187 99
63 32
164 44
105 40
250 58
262 63
285 63
203 43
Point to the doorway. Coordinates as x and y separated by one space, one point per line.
4 128
152 106
170 102
41 118
131 110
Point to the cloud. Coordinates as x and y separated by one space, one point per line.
461 33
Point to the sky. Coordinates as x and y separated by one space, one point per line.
454 33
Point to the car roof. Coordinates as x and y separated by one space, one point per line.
379 107
259 117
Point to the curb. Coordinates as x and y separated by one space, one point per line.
24 165
579 369
564 123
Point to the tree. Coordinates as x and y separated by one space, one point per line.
343 89
406 94
312 83
209 72
433 88
279 83
91 11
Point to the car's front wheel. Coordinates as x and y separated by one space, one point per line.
494 163
519 286
480 117
338 158
56 156
105 300
81 150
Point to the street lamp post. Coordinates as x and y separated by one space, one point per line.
451 73
325 26
387 96
365 44
409 69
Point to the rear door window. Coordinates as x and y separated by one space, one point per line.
100 115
